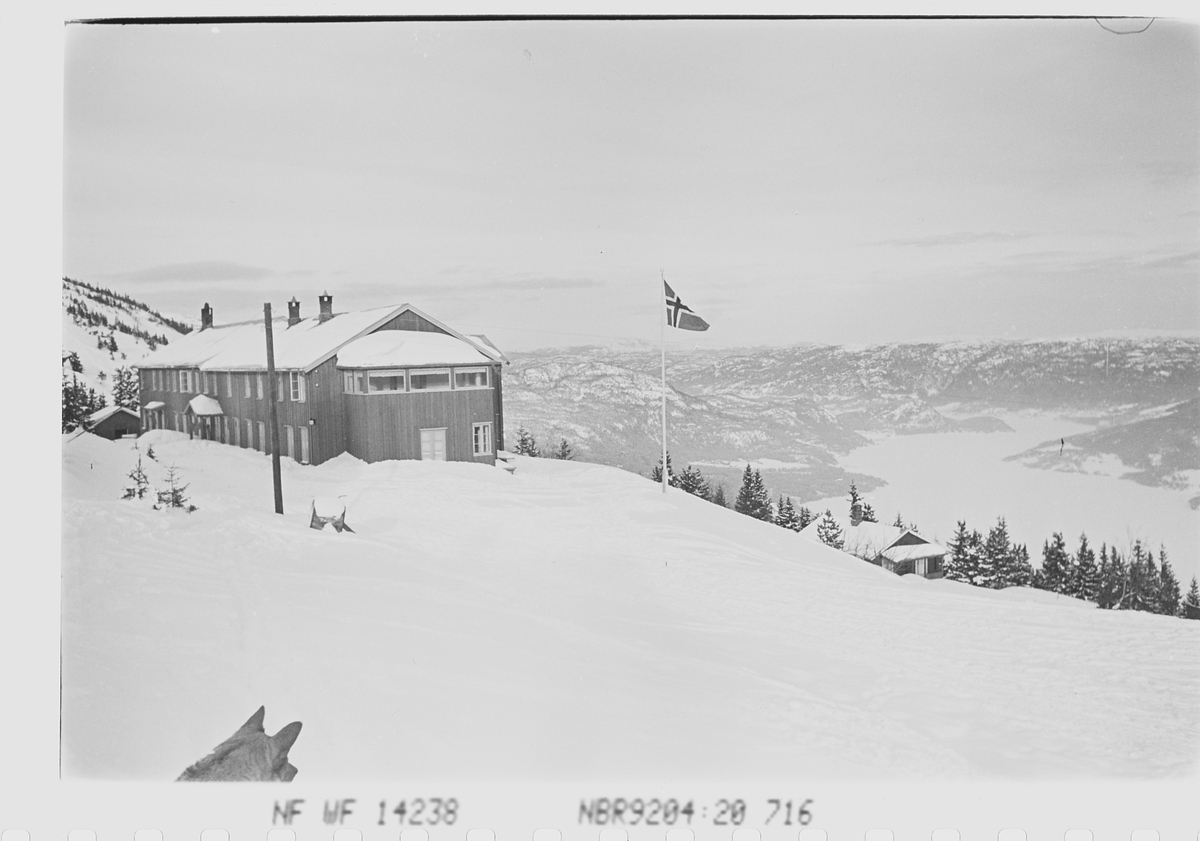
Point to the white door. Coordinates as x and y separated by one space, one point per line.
433 444
289 439
304 445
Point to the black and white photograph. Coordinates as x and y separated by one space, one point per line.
684 398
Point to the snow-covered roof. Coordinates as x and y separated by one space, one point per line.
155 404
870 540
202 404
107 412
303 346
397 348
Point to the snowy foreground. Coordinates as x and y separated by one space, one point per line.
567 620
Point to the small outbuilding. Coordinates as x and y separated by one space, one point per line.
896 549
114 422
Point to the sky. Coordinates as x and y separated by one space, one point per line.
795 181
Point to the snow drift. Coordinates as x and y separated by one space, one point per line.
566 621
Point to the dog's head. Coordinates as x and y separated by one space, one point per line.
248 755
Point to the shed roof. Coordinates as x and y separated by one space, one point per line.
870 540
107 412
202 404
303 346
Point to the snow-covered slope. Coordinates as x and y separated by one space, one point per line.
570 621
108 330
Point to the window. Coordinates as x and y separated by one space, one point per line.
433 444
289 441
426 380
296 381
246 382
280 391
378 381
183 381
228 384
481 438
262 385
262 436
470 377
360 382
235 427
304 445
348 382
249 434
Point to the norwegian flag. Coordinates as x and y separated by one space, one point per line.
679 314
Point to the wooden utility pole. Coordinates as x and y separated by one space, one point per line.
273 412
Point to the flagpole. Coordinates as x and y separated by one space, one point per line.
662 336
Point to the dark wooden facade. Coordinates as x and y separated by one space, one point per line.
373 427
118 424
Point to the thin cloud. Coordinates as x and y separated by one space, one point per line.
960 238
196 271
1171 173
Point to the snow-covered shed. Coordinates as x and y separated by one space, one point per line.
384 383
113 422
900 550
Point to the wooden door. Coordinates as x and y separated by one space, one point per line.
433 444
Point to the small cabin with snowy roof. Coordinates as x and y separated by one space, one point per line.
113 422
896 549
385 383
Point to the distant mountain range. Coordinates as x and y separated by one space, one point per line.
795 409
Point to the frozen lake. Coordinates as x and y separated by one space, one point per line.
937 479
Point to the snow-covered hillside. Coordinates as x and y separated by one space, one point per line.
567 621
108 330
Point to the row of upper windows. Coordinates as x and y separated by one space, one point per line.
291 385
394 380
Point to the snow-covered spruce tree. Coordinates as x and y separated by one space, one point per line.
1192 598
753 499
1019 572
785 514
1143 579
693 481
966 556
1055 571
995 560
173 496
829 532
78 402
141 483
656 472
1168 594
899 521
868 513
855 498
1085 581
125 388
718 496
526 444
563 451
1114 580
804 516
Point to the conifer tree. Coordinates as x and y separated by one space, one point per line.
719 496
1085 582
141 483
1019 572
996 556
656 472
785 514
804 517
526 444
125 388
957 563
752 499
1114 583
173 496
1143 592
1192 598
855 497
1168 592
899 523
693 481
563 451
829 532
868 513
1055 565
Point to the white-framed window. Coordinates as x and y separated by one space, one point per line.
249 434
289 441
304 451
481 438
246 383
433 444
262 385
470 377
262 437
183 381
296 383
229 384
385 381
429 379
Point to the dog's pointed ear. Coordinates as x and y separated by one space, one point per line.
253 725
285 738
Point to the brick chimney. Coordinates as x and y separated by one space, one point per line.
856 513
293 312
205 317
326 302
